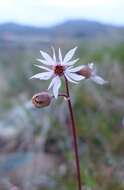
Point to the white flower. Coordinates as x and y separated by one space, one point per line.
96 78
58 68
89 71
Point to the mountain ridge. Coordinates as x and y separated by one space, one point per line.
70 28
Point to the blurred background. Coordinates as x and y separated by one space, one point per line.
34 154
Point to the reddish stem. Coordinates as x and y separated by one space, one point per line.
73 127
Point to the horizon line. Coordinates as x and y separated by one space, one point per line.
59 23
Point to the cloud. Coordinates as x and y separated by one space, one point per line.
72 3
48 12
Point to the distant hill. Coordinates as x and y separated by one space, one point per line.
84 28
19 29
69 29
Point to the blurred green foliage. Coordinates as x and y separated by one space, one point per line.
98 110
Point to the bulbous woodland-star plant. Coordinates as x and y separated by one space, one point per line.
57 68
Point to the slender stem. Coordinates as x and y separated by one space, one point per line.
61 94
74 135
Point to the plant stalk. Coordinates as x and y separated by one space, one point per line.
74 134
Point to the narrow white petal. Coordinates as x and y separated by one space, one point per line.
75 76
69 67
76 69
42 67
43 76
56 86
69 55
69 79
91 65
47 57
54 55
60 56
44 62
98 80
71 62
52 83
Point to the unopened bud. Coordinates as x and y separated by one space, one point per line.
41 99
86 72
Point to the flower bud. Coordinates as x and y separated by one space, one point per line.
86 72
41 99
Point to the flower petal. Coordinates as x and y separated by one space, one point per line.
91 65
75 76
43 76
76 69
42 67
69 55
52 83
71 62
68 78
47 57
98 80
56 87
43 61
54 55
55 83
60 56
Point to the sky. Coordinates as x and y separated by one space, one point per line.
52 12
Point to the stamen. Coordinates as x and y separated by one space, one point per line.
59 70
